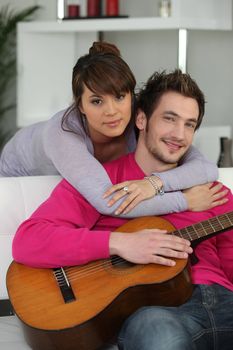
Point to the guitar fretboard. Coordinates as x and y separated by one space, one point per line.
205 228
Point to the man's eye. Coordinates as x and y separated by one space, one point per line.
191 125
169 118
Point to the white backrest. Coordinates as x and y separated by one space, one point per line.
20 196
226 177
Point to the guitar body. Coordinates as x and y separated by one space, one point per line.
104 295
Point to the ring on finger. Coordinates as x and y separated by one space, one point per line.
126 189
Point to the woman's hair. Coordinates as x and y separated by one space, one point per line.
160 83
103 71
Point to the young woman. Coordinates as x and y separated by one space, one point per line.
98 127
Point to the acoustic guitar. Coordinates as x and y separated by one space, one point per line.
83 307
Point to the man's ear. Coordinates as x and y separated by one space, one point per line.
141 120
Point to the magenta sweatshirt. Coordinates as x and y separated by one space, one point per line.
66 230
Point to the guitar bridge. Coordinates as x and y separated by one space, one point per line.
64 285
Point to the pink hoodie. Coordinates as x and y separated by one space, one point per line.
66 230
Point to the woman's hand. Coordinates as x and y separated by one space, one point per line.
135 191
204 197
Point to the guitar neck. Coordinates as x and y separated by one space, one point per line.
206 228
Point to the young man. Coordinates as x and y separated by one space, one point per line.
67 230
205 321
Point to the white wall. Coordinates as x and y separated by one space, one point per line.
47 11
210 57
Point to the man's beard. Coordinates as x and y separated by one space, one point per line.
159 156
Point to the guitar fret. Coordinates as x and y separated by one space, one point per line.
198 229
228 216
188 234
211 225
217 225
206 228
229 220
177 233
191 232
183 233
225 223
203 228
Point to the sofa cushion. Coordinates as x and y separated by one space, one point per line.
20 196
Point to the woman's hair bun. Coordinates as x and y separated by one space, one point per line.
104 47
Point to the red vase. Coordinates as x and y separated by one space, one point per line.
112 7
73 11
93 8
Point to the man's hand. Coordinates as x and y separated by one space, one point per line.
149 246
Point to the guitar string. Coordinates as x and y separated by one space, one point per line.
197 231
83 272
74 275
102 263
80 276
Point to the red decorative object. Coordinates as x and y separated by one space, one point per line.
73 11
93 8
112 7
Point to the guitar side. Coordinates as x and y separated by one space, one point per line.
103 300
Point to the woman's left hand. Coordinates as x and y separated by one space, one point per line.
135 191
205 197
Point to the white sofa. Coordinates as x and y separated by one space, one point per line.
19 197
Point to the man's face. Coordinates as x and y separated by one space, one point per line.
170 130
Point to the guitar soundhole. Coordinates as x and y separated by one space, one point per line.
121 264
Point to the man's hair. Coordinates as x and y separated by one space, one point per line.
161 82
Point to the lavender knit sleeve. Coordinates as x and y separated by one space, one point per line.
72 156
194 169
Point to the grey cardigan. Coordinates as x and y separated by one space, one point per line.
45 149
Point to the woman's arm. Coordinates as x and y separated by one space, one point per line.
72 155
194 169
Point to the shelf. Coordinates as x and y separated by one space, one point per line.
126 24
47 51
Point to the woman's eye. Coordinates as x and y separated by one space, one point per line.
120 97
96 101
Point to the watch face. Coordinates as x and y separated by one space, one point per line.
161 191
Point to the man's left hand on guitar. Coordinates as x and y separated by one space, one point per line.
149 246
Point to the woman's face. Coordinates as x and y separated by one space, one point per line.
107 115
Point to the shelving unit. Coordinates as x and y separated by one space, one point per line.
126 24
47 51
